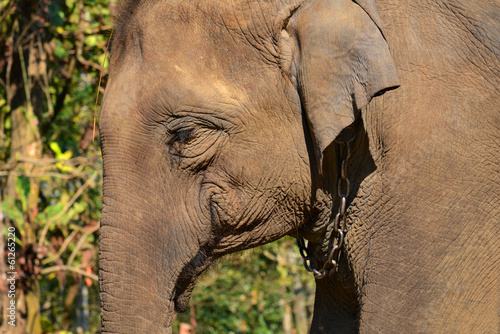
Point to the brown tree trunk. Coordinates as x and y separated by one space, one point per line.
26 100
26 144
287 318
68 305
33 319
4 300
299 306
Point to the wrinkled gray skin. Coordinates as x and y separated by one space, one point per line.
218 134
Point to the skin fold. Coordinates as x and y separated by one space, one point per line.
220 132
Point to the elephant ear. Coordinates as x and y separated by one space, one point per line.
338 59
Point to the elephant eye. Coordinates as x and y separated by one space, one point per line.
181 139
182 136
190 138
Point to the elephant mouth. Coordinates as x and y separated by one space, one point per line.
187 280
181 301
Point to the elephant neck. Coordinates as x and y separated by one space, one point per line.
336 307
337 301
319 230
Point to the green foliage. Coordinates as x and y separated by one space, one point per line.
49 212
12 209
50 174
247 292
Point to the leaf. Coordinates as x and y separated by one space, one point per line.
79 207
55 147
103 58
56 15
88 281
66 155
47 325
11 209
63 168
7 124
74 17
91 40
70 3
49 212
64 220
23 188
90 239
61 51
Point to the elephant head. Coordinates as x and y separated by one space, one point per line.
214 129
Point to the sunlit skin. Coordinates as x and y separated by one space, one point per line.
218 134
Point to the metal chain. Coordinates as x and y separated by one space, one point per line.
339 226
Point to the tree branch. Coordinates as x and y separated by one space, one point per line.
52 269
46 162
37 176
66 208
80 243
61 250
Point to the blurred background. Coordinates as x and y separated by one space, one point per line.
52 59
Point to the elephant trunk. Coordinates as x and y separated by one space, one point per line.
136 296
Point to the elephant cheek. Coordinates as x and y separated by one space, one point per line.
229 209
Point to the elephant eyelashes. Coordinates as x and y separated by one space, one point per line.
182 140
191 139
182 136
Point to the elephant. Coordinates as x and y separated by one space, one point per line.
226 125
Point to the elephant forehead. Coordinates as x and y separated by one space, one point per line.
192 58
222 36
184 56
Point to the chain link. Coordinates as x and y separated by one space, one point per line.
339 226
